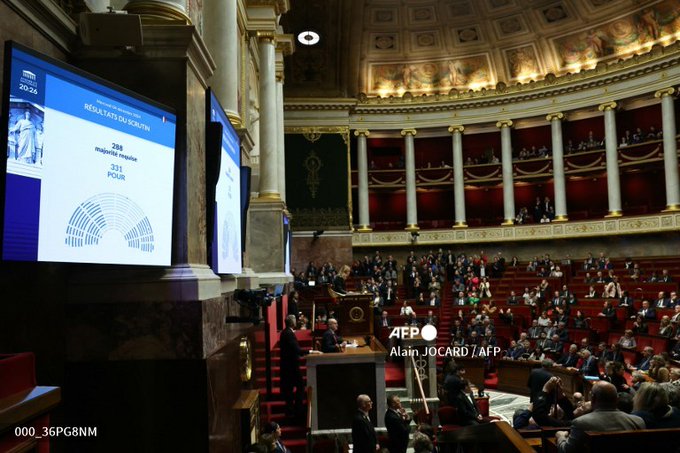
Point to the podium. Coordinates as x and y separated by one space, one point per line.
338 378
353 311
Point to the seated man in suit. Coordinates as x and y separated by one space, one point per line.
331 342
589 366
398 424
570 358
363 433
647 312
646 361
661 301
604 417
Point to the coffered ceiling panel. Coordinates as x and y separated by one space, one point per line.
390 47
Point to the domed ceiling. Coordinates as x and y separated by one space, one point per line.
389 47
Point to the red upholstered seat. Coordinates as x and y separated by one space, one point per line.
448 416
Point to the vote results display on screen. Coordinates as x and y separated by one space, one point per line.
89 174
226 248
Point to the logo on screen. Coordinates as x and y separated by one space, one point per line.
29 78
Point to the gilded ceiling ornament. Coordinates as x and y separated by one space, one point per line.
313 165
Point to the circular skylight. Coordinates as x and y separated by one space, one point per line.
308 38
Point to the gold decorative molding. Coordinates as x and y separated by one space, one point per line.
460 225
613 214
267 197
672 208
412 227
364 229
406 132
156 12
317 130
364 132
508 222
266 36
555 116
456 128
665 92
561 218
607 106
658 223
504 123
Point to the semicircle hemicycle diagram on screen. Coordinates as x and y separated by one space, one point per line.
105 212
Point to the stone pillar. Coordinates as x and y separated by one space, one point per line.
269 173
558 166
506 158
362 166
670 149
612 153
284 46
458 178
159 11
220 29
411 200
281 137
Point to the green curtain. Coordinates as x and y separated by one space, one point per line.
316 180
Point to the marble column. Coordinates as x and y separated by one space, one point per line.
362 166
281 137
159 10
612 154
506 160
558 166
411 200
269 173
221 33
670 149
458 178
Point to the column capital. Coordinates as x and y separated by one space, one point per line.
406 132
665 92
266 36
504 123
559 116
456 128
607 106
280 77
362 132
285 43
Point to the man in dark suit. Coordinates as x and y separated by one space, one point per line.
331 342
589 367
466 407
538 378
290 368
389 294
570 358
604 417
363 432
646 311
398 425
661 301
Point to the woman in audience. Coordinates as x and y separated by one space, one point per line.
580 321
591 294
658 370
485 288
640 325
651 404
627 341
537 354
